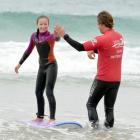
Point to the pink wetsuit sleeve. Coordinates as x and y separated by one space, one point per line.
28 50
31 45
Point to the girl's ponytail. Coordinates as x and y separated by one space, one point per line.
37 34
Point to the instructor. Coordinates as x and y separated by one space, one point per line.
109 46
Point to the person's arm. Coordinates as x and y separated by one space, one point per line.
24 57
86 46
96 51
56 37
26 54
61 32
78 46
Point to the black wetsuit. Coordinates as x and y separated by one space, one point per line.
99 88
46 78
47 72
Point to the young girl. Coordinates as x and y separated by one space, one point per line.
47 73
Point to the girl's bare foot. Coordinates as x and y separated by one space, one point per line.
38 120
51 121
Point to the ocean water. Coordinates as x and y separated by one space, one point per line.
76 71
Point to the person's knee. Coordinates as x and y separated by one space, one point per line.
39 94
90 105
49 93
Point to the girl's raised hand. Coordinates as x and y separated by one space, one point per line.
59 30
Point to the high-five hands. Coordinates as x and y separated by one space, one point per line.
59 30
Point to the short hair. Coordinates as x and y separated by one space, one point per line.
105 18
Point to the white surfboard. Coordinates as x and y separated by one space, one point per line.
45 124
